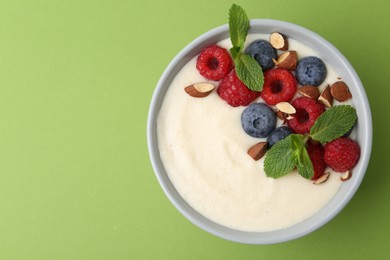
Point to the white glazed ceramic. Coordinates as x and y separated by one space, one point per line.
363 132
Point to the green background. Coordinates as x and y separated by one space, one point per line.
76 79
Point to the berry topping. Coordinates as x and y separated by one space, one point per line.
316 154
263 52
232 90
278 134
342 154
307 111
310 71
279 86
258 120
214 62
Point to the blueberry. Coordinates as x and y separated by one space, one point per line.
310 71
258 120
278 134
263 52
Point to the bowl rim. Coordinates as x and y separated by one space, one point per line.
270 237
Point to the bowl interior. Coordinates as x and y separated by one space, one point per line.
363 132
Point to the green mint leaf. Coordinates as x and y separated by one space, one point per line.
333 123
235 52
304 164
280 159
249 72
238 28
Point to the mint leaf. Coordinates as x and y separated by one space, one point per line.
238 28
235 52
303 162
333 123
249 72
279 159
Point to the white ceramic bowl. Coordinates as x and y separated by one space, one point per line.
363 132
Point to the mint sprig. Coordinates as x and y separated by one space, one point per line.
248 69
290 153
280 159
286 155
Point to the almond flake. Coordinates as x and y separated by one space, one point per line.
340 91
258 150
346 176
287 60
309 91
323 178
281 115
326 98
199 90
278 41
286 107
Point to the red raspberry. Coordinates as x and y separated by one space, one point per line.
307 111
214 62
232 90
316 154
280 85
342 154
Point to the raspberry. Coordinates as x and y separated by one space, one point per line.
342 154
279 86
316 154
307 111
214 62
232 90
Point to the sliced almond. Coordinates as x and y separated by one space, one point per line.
278 41
281 115
340 91
287 60
309 91
346 176
258 150
286 107
199 90
325 97
323 178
